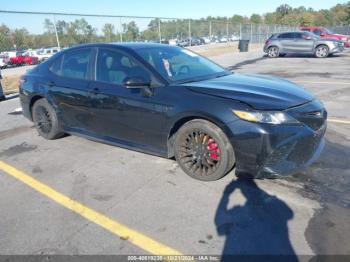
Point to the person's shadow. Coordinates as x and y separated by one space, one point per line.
259 227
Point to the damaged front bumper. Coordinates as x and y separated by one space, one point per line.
265 149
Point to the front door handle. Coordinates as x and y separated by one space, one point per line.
95 90
52 83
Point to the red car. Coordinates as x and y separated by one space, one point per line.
326 33
23 59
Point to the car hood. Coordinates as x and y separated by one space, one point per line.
337 35
259 91
329 39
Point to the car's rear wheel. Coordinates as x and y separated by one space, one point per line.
322 51
273 52
45 120
203 151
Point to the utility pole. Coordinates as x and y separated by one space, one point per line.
57 39
210 30
251 33
159 32
121 30
240 31
189 32
227 37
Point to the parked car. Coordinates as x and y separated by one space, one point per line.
17 59
10 54
2 95
223 39
23 58
326 33
48 52
301 43
184 43
35 53
206 40
234 38
173 42
4 60
169 101
193 41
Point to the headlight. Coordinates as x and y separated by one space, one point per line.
344 39
266 117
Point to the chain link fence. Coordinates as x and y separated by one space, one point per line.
45 30
343 30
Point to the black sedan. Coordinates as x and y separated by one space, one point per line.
171 102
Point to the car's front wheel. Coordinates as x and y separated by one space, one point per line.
203 151
45 120
322 51
273 51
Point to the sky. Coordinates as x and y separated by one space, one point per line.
158 8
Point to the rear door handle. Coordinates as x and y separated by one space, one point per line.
52 83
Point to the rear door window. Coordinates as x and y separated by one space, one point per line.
299 36
115 67
286 36
76 63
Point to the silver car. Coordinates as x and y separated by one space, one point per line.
301 43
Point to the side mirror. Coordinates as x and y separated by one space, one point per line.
136 82
322 34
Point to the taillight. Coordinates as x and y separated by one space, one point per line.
267 42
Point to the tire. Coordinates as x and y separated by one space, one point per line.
273 52
321 51
203 151
45 120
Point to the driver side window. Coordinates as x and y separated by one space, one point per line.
116 67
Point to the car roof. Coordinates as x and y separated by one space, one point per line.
128 45
289 32
311 27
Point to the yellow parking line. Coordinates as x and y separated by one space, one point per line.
321 82
146 243
339 121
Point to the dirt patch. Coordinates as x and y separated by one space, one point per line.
10 84
14 131
17 149
220 48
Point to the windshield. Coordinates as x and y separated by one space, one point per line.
180 65
329 32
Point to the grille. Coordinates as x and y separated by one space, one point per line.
313 119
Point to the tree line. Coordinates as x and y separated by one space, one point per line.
80 31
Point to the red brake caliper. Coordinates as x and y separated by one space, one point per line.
213 149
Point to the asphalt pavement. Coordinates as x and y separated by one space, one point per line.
75 196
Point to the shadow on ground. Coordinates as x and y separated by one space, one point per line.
257 227
328 182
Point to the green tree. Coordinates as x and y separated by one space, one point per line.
108 32
255 19
131 31
5 38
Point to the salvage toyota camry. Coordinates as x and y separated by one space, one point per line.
171 102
